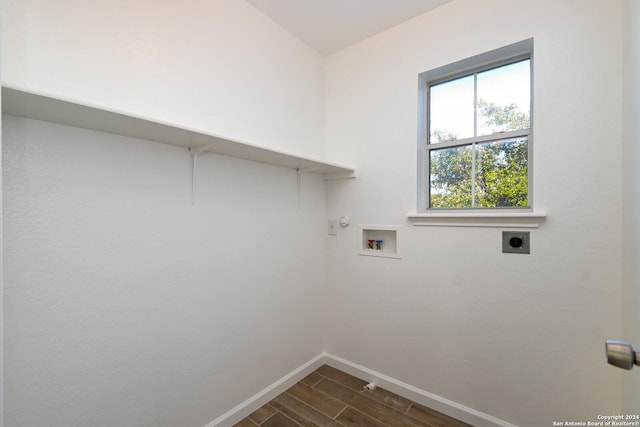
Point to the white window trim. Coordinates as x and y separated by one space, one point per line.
492 217
479 219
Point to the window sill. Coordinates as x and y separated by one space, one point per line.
521 220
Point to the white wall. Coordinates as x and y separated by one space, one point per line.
124 304
1 291
219 65
631 191
518 337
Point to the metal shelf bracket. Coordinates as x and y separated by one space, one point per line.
194 152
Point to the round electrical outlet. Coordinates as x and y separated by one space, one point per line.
515 242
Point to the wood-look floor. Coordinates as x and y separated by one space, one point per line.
329 397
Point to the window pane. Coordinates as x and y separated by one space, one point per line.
504 98
450 177
451 110
501 174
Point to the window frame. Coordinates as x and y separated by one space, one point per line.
509 54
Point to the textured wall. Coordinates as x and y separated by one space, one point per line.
517 337
631 201
218 65
124 304
127 306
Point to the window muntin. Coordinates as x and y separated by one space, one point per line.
478 132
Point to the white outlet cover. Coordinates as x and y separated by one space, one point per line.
333 227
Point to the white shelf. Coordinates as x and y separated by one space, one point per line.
22 103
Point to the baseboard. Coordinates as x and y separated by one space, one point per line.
433 401
446 406
263 397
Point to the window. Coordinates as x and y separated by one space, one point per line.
476 140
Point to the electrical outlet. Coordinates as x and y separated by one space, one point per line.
515 242
333 227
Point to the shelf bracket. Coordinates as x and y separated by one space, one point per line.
194 152
306 170
340 175
299 174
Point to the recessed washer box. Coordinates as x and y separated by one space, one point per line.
379 240
515 242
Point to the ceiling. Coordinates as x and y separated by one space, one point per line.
330 25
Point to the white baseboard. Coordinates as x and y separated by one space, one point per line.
263 397
433 401
446 406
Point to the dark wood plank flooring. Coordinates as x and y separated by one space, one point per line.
332 398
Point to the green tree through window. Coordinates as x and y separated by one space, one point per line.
501 167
